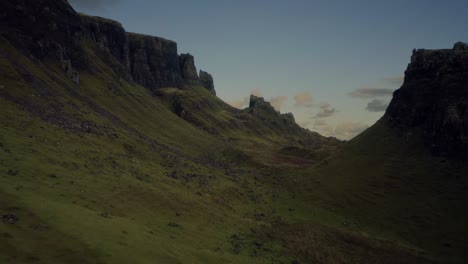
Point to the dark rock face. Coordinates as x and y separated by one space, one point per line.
111 41
207 81
108 34
434 100
259 102
187 65
44 29
154 62
52 30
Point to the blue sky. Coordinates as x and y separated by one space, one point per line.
334 57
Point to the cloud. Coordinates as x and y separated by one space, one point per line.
304 99
348 130
278 101
326 110
377 105
245 101
239 103
395 80
367 93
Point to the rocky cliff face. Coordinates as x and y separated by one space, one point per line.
433 100
108 34
187 65
152 62
207 81
44 29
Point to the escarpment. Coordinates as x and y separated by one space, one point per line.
433 100
152 62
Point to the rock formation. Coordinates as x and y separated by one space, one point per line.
152 62
265 111
433 100
259 102
206 81
187 66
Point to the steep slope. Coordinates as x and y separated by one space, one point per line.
405 178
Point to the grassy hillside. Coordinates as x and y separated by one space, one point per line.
388 186
107 172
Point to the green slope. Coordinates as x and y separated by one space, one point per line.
107 172
387 185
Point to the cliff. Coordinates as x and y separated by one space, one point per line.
207 81
154 62
433 101
52 30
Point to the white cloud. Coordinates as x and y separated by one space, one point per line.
304 99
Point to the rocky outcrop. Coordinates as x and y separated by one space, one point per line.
206 81
433 100
154 62
51 29
260 103
187 66
266 112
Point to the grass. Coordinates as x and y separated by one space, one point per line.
107 172
391 188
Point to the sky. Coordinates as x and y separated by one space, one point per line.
333 64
